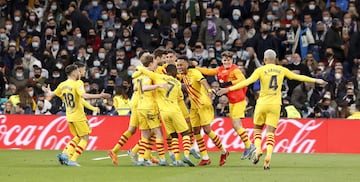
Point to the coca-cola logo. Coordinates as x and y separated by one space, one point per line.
297 139
50 136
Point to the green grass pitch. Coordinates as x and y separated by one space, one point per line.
38 166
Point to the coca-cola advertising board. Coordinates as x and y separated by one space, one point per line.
42 132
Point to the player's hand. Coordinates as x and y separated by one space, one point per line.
46 89
321 82
222 91
97 110
104 95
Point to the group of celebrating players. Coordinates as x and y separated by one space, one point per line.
158 99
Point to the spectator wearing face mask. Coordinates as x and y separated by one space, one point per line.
297 67
313 10
211 29
43 107
333 39
337 84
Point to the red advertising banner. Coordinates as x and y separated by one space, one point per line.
42 132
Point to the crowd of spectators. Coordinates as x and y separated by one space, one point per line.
318 38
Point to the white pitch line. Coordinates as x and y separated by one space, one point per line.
103 158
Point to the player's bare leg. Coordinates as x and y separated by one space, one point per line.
249 148
217 142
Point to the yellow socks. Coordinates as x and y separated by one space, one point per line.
201 144
122 141
79 149
216 141
270 141
186 145
244 137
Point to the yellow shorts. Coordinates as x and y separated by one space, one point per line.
174 122
134 118
201 116
80 128
267 114
148 119
237 110
184 109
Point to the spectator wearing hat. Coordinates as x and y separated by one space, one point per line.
43 72
211 29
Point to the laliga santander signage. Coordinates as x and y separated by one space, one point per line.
42 132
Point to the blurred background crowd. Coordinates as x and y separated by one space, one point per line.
318 38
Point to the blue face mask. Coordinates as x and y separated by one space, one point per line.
130 72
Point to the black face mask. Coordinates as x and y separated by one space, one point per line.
326 107
173 15
213 65
328 55
37 76
112 76
321 32
247 27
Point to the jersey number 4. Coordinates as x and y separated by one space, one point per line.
273 82
69 100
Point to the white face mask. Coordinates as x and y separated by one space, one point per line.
110 34
35 44
148 27
104 16
256 18
142 19
31 93
8 27
312 6
55 47
78 35
53 7
96 63
27 56
94 3
338 76
119 66
70 48
101 56
97 75
17 18
109 6
59 65
326 18
174 26
56 75
347 20
124 15
289 17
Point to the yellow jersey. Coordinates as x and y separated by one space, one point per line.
146 98
169 98
355 115
197 92
161 69
85 103
70 92
271 79
121 105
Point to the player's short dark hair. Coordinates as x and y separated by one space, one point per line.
159 52
70 68
171 70
170 51
185 58
79 64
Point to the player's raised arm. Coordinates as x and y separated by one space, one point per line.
152 75
293 76
95 96
207 71
255 76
